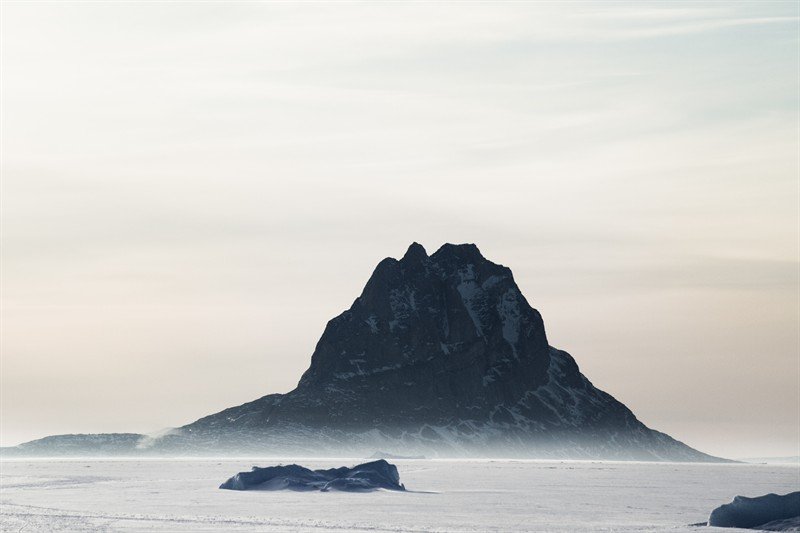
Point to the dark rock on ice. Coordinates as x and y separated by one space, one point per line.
771 512
360 478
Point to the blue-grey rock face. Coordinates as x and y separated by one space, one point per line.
440 354
361 478
431 340
771 512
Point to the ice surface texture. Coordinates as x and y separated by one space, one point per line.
771 512
364 477
444 496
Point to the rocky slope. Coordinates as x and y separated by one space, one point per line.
440 355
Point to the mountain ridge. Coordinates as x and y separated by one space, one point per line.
439 355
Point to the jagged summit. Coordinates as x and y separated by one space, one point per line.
439 355
464 252
416 252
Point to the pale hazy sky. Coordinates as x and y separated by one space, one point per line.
191 190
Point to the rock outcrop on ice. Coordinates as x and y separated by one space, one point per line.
361 478
771 512
440 355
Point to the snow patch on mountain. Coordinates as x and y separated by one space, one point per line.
471 296
510 316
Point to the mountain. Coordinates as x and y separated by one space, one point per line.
439 355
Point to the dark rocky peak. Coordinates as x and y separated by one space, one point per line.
415 254
463 261
460 252
454 305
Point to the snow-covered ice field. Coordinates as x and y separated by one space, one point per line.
463 496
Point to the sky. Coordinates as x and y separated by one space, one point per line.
190 191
